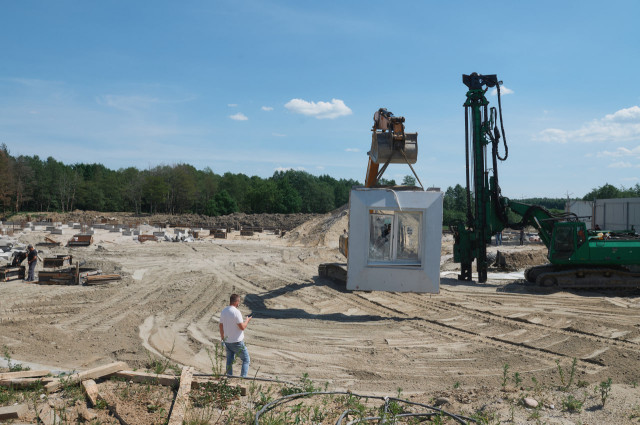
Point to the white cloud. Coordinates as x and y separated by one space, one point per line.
621 152
503 90
352 150
620 164
625 115
139 103
232 105
239 117
267 108
319 167
127 103
283 169
321 110
621 126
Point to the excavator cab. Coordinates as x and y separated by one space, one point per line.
563 241
568 242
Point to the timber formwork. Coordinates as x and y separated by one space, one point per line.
57 261
69 276
8 273
145 238
48 242
80 240
256 229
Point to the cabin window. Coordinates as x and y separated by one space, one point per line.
564 242
394 237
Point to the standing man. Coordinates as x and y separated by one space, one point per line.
232 335
32 258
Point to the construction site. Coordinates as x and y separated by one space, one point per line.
374 312
469 348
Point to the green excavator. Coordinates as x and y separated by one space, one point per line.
579 257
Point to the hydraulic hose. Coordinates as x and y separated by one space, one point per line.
434 410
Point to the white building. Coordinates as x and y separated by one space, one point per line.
608 214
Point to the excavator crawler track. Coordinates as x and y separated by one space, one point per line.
549 276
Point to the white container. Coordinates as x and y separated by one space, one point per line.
395 239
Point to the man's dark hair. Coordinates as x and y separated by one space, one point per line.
233 298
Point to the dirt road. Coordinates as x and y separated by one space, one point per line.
169 301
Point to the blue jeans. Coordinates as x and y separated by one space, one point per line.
32 269
237 348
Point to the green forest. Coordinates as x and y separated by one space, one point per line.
28 183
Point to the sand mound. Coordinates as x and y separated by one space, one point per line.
518 260
322 231
235 220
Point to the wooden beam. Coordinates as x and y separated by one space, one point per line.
13 412
24 374
167 380
47 415
181 402
94 373
91 391
21 383
148 378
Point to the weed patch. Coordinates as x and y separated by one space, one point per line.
13 367
572 404
218 394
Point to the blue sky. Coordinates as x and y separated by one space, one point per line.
257 86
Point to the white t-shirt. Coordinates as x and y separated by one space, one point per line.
230 317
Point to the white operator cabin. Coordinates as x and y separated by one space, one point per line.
395 237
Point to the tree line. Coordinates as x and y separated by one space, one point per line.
28 183
455 200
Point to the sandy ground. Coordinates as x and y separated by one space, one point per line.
369 342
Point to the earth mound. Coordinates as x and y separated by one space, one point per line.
322 231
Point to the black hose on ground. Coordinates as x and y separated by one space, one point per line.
269 406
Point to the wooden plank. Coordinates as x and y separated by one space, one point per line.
13 412
181 402
94 373
22 383
147 378
24 374
91 391
103 278
47 415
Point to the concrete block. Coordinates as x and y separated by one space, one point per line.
395 240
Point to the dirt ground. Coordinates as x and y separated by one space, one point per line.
452 345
